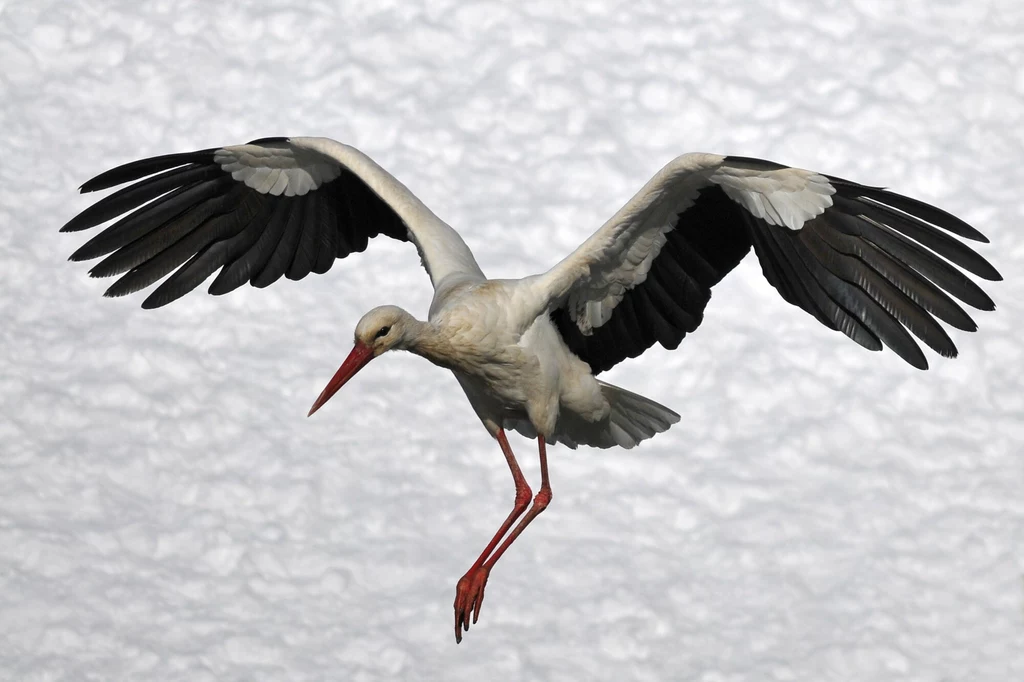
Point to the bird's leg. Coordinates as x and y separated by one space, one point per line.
540 503
469 595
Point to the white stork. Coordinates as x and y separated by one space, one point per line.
865 261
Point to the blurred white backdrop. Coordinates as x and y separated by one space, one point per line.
167 512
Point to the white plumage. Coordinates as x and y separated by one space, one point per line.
870 263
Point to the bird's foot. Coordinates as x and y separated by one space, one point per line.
469 597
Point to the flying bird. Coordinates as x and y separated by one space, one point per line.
877 266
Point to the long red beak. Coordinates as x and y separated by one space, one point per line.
356 360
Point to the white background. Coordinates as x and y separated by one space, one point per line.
821 513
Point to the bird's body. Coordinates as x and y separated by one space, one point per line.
862 260
516 369
507 359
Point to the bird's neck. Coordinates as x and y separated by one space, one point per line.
428 341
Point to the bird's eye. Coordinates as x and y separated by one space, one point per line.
383 332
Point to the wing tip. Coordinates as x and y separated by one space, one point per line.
112 292
72 225
916 360
81 254
96 273
99 182
153 301
982 268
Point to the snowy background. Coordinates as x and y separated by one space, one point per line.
167 512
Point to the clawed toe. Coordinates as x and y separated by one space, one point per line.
469 597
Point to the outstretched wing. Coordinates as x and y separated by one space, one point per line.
272 207
862 260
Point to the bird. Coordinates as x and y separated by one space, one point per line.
880 267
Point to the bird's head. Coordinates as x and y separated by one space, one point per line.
382 329
378 331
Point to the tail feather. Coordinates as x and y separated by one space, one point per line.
633 418
637 418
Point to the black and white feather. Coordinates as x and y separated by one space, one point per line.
865 261
270 208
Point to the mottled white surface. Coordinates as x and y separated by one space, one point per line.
822 513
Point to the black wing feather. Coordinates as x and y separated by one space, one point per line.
265 246
153 270
330 230
348 235
907 311
863 304
873 266
183 214
830 303
939 242
913 209
915 286
284 252
236 270
922 260
799 285
305 252
659 291
696 255
149 245
133 196
135 170
142 221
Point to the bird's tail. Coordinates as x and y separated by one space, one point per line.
634 418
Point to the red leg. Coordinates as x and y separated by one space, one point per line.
469 594
540 503
471 586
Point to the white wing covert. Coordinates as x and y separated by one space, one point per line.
272 207
865 261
